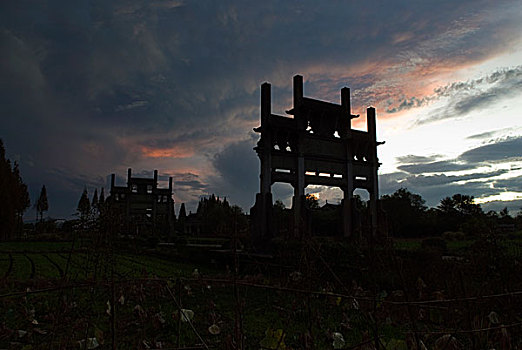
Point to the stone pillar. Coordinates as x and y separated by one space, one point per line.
347 211
298 201
298 89
266 142
374 193
127 202
261 211
171 214
298 101
347 111
154 196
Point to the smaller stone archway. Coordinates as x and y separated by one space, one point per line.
317 146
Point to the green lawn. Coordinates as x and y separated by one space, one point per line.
51 260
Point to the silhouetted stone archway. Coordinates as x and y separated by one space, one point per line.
316 147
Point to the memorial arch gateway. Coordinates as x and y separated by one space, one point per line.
316 147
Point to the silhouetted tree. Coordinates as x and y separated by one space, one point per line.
406 213
14 198
84 207
182 217
218 217
101 200
461 204
94 203
42 204
518 220
504 212
460 212
182 212
505 218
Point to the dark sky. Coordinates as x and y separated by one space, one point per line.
90 88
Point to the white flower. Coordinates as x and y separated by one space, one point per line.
338 340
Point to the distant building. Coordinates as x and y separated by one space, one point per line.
143 207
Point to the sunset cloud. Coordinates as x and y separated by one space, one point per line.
166 152
92 87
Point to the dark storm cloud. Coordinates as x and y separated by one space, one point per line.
389 183
512 184
514 207
63 190
237 169
434 194
482 135
433 167
191 185
417 159
87 85
187 188
506 77
442 179
499 151
77 182
187 182
412 102
395 180
170 67
422 176
467 97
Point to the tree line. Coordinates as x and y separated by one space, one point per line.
408 216
406 212
14 199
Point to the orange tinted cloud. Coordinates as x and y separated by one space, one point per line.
176 152
397 83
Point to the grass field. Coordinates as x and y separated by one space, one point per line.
54 297
50 260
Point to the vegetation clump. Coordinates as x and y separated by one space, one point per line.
14 198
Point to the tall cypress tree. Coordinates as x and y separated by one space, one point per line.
182 216
95 203
182 212
42 204
84 205
101 200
